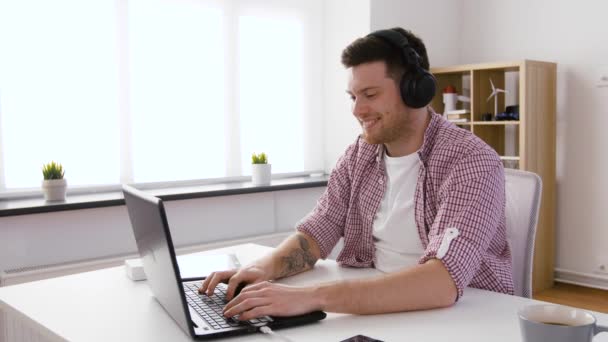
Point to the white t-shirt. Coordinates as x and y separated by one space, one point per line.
395 233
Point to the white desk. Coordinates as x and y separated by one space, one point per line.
107 306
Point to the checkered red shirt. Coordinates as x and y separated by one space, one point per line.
460 185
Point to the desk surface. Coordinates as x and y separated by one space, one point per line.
107 306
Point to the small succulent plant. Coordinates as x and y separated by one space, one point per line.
52 170
259 158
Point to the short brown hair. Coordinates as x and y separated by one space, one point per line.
373 49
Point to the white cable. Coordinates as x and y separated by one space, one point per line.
266 330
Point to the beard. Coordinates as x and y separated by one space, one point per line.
390 128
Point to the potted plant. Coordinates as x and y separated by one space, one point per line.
54 185
260 169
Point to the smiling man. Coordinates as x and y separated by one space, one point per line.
414 196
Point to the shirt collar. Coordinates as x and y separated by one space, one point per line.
430 134
427 142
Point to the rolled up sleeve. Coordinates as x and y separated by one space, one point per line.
469 216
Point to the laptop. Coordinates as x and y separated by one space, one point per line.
197 315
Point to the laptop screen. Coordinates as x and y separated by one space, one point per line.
153 238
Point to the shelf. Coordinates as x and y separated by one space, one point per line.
508 65
527 144
503 138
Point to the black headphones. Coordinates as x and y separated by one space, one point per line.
417 85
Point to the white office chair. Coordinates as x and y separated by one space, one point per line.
523 195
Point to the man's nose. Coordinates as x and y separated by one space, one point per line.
359 107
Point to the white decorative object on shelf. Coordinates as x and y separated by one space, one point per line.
464 99
494 94
449 100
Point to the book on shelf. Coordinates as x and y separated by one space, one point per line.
459 120
458 117
457 111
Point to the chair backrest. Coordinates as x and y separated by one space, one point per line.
523 196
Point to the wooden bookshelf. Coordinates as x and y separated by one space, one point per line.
526 144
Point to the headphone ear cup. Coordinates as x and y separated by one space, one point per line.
417 90
406 92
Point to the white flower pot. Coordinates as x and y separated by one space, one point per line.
54 189
260 174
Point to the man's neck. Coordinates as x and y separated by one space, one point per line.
413 139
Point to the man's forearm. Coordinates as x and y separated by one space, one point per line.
425 286
298 253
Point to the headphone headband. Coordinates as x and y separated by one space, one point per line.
397 40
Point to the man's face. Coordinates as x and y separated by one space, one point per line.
377 104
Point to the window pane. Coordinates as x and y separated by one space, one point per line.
271 70
177 90
58 90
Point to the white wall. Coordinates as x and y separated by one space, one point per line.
71 236
572 34
341 128
436 22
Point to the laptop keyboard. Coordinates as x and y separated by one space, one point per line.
211 308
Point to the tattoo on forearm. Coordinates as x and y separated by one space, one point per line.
298 259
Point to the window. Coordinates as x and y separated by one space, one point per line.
176 90
58 90
157 90
280 117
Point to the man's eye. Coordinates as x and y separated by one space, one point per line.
369 96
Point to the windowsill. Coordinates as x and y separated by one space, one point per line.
13 207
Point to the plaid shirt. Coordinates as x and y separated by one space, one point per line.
459 207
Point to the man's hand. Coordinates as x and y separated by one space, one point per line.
296 254
272 299
251 274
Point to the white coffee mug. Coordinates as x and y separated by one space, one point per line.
557 323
